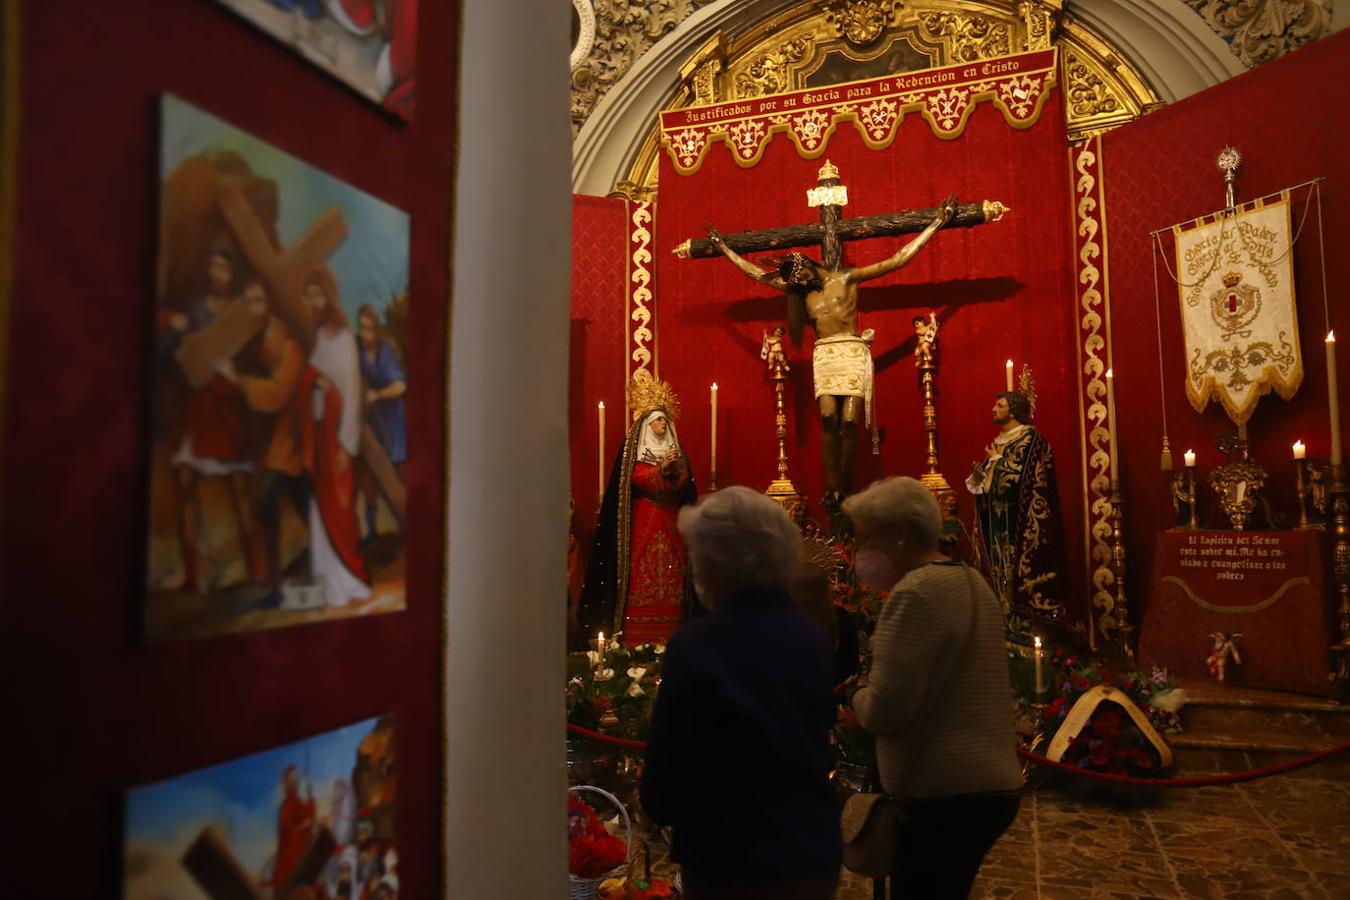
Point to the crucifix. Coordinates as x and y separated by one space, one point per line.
825 295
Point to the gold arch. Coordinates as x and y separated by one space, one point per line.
823 42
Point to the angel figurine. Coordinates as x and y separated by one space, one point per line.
771 351
1225 648
925 330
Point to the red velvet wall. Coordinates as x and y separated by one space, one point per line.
1287 119
90 710
1001 290
597 349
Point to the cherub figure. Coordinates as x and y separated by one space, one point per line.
771 351
926 331
1225 648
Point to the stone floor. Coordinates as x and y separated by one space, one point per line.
1277 838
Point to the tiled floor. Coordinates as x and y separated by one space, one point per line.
1277 838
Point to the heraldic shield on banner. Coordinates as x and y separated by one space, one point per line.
1235 276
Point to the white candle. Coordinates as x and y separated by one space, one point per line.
1300 451
1190 459
1008 371
1040 670
713 400
601 492
1111 423
1333 399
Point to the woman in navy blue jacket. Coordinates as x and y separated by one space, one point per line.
738 758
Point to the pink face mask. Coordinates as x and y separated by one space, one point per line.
876 570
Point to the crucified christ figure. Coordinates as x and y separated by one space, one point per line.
826 297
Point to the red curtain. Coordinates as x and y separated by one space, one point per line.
1287 119
91 710
1002 290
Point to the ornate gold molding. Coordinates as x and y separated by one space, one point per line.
816 43
1094 357
623 31
641 309
1258 31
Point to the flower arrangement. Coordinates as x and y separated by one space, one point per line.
613 692
636 889
591 849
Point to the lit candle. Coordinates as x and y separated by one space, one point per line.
1111 423
1040 670
601 492
1333 399
1190 459
713 400
1007 369
1300 451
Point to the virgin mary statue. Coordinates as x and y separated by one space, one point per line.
636 580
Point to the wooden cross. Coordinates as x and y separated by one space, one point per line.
830 196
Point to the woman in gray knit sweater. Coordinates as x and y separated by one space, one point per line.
938 696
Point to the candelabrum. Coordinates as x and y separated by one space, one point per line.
1340 531
925 360
1120 612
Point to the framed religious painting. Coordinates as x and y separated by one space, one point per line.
278 409
370 45
310 819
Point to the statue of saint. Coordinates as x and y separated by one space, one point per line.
826 297
636 579
1018 524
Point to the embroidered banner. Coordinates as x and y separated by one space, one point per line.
1236 281
945 97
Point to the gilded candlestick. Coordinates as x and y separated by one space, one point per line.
1340 530
1120 611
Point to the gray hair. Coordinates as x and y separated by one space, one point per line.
739 538
899 502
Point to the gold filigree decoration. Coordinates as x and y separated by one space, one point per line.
1258 31
860 22
1039 20
645 393
640 279
1093 356
769 73
1088 94
971 37
624 30
879 118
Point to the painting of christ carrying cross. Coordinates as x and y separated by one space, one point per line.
824 295
276 486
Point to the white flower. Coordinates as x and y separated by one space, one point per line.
635 690
576 681
636 673
660 648
593 657
1169 701
604 674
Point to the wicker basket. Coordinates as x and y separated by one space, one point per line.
587 888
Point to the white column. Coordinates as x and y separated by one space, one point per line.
508 462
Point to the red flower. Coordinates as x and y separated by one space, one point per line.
591 856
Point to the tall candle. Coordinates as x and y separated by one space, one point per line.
1008 371
1111 423
1333 398
1190 459
1300 451
601 492
713 400
1040 670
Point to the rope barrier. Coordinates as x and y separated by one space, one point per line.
1189 781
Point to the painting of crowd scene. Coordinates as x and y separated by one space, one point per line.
313 820
371 45
279 419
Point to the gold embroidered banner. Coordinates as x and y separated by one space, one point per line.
1235 277
945 97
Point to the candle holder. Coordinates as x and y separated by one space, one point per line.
1312 495
1184 499
1238 482
1340 530
782 491
925 360
1120 612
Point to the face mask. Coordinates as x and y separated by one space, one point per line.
876 570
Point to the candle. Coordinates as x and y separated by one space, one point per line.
1111 422
1040 670
1300 451
601 492
1007 370
713 400
1333 399
1190 459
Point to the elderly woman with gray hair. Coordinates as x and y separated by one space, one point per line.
938 695
738 757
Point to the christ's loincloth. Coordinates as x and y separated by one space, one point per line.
843 367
